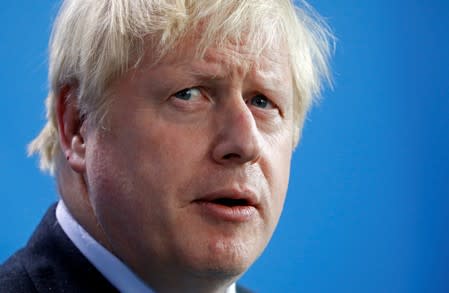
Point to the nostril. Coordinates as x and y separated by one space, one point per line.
230 156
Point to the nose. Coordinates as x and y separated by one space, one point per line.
238 138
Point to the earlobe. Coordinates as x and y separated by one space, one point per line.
69 123
77 154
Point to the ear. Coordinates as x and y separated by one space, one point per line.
70 127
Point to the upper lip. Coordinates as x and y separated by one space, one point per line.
247 196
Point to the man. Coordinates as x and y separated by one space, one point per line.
170 130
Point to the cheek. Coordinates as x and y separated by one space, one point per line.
280 159
107 177
165 157
126 189
146 161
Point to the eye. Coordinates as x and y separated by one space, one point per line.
262 102
188 94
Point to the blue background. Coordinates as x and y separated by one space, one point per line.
368 204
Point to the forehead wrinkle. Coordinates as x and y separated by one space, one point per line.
265 70
230 61
270 71
266 75
205 71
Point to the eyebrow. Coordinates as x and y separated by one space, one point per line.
213 71
218 72
207 74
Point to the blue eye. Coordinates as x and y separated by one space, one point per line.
188 94
261 101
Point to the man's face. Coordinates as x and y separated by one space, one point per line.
191 172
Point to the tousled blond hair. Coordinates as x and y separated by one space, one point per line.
96 41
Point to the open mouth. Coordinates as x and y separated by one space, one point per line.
228 208
231 202
229 205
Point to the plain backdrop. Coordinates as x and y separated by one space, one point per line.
368 202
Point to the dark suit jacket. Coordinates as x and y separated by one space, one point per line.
50 262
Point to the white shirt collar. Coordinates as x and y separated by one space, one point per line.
114 270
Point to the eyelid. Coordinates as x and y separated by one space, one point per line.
273 109
270 102
194 89
189 99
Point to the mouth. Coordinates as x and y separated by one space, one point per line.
229 206
231 202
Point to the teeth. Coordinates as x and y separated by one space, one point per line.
231 202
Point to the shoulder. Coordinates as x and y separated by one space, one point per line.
14 276
51 263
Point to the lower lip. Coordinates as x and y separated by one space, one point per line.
227 213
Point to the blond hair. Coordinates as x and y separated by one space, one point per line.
96 41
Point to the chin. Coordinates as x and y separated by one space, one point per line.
224 259
220 271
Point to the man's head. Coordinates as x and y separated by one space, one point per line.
171 126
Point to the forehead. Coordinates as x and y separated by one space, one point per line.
224 60
269 63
